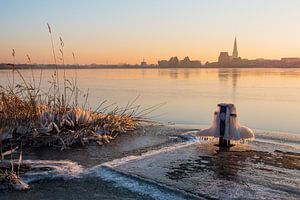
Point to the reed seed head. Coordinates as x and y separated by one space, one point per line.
61 42
28 58
49 27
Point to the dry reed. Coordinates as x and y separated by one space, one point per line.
32 117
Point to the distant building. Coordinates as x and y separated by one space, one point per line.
144 63
237 60
292 60
163 63
235 53
186 62
174 62
196 63
224 58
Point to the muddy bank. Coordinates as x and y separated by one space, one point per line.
56 174
76 189
145 138
157 162
206 171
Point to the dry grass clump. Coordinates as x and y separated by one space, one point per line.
32 117
54 117
29 120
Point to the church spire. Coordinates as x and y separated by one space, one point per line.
235 53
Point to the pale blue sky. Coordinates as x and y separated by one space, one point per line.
128 30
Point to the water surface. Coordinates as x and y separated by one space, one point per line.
266 99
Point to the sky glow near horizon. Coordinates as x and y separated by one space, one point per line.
126 31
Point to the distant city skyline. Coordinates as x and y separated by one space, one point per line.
225 60
121 31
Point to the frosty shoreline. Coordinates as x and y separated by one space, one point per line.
175 160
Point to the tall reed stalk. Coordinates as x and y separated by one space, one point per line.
76 86
61 50
56 77
51 38
31 69
13 68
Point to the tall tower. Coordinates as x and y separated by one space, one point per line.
235 53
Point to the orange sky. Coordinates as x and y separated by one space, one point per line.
126 32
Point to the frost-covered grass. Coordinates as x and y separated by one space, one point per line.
58 116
